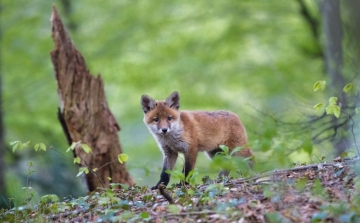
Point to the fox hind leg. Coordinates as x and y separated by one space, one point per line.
211 154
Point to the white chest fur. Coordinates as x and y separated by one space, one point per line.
173 140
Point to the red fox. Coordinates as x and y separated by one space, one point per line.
190 132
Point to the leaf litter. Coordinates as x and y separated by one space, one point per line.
327 192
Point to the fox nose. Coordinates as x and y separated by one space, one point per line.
164 130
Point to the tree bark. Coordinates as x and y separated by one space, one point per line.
84 113
333 34
333 43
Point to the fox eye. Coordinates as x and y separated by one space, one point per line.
156 119
169 118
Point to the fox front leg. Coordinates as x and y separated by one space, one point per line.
168 164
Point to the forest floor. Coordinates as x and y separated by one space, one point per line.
327 192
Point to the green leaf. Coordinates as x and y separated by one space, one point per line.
109 193
357 110
173 208
192 179
189 175
86 148
122 158
13 142
51 197
126 215
225 149
319 216
77 160
267 193
330 110
72 147
17 146
319 106
333 109
348 87
104 201
82 170
40 146
94 170
109 178
26 144
36 147
333 100
176 174
144 215
337 111
237 149
319 85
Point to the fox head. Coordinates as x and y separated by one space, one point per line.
161 117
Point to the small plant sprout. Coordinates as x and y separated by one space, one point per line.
319 85
333 107
123 158
40 146
18 145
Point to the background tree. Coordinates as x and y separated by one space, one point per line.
2 143
84 114
2 146
332 129
332 26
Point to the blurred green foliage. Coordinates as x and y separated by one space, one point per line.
250 57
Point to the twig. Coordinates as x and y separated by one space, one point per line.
353 134
167 196
185 214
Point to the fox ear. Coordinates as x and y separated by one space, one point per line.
147 103
173 101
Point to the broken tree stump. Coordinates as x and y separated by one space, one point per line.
84 113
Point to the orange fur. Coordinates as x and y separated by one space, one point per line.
190 132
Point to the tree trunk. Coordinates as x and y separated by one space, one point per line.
2 148
353 28
333 34
2 143
84 113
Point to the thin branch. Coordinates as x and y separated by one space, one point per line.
335 127
311 20
52 148
353 134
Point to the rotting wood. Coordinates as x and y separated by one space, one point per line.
84 113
